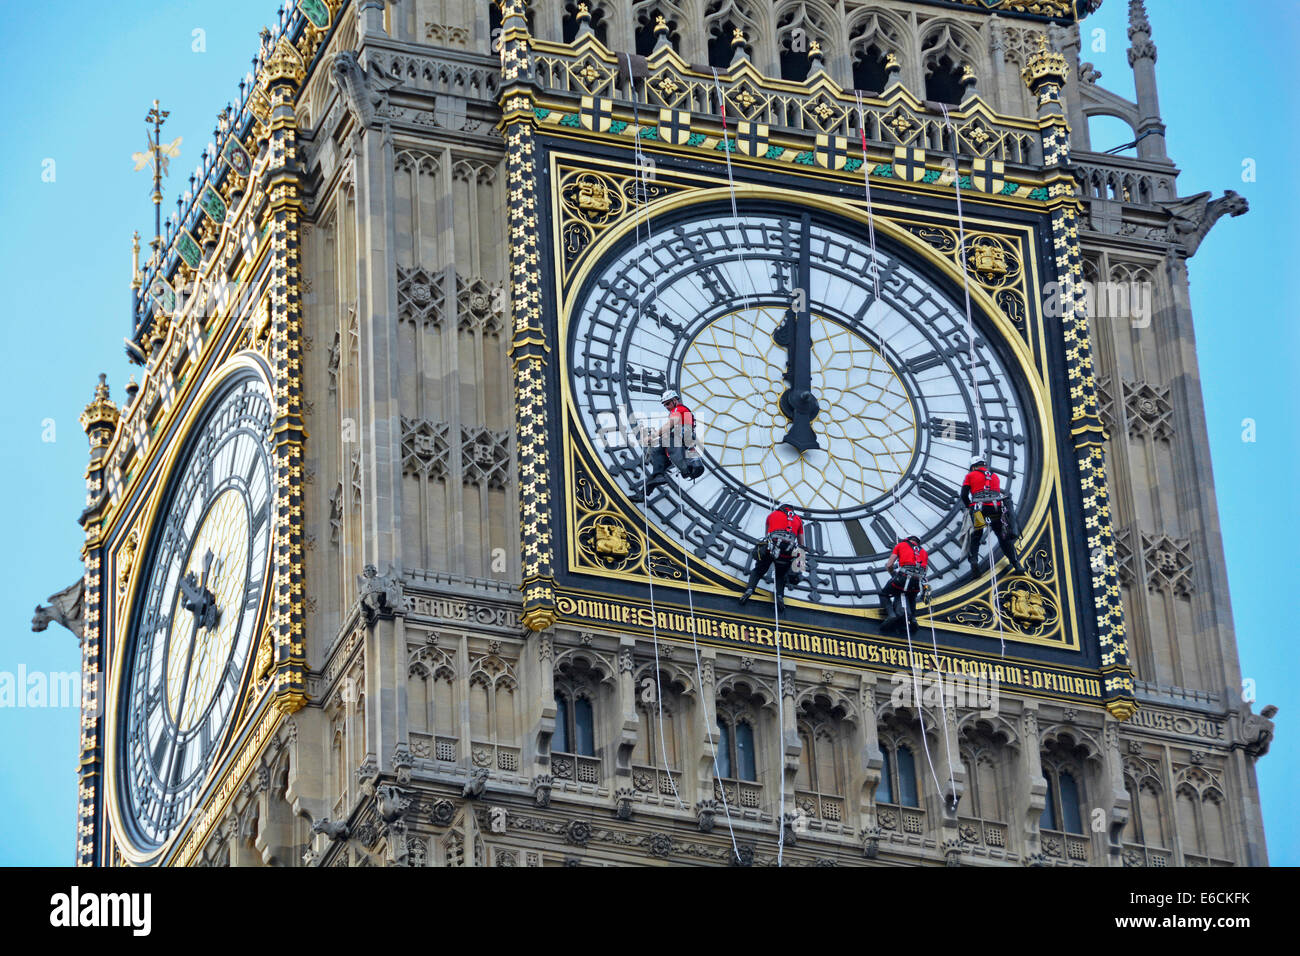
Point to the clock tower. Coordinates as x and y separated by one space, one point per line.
374 575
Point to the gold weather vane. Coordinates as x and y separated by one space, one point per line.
157 154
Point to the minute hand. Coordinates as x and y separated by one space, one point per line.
798 403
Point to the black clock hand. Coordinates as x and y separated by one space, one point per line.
794 334
166 777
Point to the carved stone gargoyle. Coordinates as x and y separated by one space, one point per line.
365 92
380 595
1192 217
1256 731
65 608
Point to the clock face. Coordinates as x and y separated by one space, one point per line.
861 403
199 606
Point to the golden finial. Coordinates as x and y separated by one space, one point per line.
661 25
1044 66
583 12
737 36
891 61
99 420
815 48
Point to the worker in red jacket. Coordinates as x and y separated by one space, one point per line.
784 536
672 444
908 565
982 493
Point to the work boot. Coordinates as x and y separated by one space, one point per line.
749 593
780 603
639 496
974 567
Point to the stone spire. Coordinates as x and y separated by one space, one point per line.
1142 58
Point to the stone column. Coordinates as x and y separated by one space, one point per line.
99 420
1142 57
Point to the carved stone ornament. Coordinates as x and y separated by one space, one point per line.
623 803
391 802
476 784
542 784
442 813
579 832
380 595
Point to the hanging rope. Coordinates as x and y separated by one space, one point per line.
654 623
699 682
961 248
776 608
970 340
943 705
866 187
780 720
916 691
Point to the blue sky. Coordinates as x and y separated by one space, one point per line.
81 82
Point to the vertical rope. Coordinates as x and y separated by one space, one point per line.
943 705
699 682
916 691
649 571
866 186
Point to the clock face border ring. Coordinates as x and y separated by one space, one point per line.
146 515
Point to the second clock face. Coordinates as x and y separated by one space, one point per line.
860 402
200 605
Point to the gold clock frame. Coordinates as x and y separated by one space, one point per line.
1046 518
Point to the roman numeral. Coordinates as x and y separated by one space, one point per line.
730 508
260 517
923 363
884 531
815 537
717 283
936 492
645 381
951 430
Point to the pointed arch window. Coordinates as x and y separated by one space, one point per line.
898 777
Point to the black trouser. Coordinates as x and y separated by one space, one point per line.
900 586
765 560
995 517
660 459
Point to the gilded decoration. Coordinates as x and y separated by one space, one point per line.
1027 605
591 202
896 116
608 540
993 261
